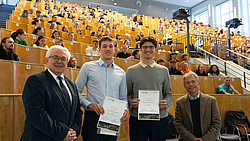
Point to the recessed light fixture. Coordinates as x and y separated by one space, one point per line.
115 3
112 0
166 9
187 1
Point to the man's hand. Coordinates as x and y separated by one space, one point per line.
71 136
198 139
162 104
97 108
135 102
125 116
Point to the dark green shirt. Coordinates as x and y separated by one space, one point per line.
22 42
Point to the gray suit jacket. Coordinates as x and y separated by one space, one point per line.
209 118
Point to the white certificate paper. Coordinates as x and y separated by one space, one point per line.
148 108
114 110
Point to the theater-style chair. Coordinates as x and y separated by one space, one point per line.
162 55
177 84
236 82
13 26
5 33
84 39
116 51
125 63
22 71
88 58
27 54
218 81
207 85
79 58
6 76
31 39
18 19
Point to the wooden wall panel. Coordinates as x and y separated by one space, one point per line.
6 75
19 117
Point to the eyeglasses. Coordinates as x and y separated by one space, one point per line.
56 58
191 82
150 47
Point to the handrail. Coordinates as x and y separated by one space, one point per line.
243 70
238 54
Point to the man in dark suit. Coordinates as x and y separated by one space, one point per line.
51 102
196 114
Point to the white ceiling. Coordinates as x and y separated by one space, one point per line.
183 3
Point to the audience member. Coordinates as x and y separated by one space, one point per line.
185 58
184 68
160 61
54 19
38 31
99 37
136 18
173 56
6 49
55 34
201 109
118 37
173 49
78 31
71 37
162 46
36 23
173 70
227 88
19 37
141 33
25 14
41 43
124 54
137 38
247 64
31 11
137 45
59 41
73 63
38 16
115 43
201 70
53 26
214 71
137 55
65 29
88 27
234 58
94 51
127 43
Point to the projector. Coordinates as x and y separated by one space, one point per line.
181 14
234 23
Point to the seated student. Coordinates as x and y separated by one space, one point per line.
73 63
55 34
94 51
59 41
137 38
38 31
100 29
160 61
71 37
124 53
93 33
78 31
88 27
6 49
172 69
173 49
118 37
53 26
136 55
41 43
65 28
214 71
54 19
38 16
162 46
185 58
234 58
36 23
99 37
227 88
247 64
25 14
173 56
107 33
19 37
127 43
115 43
201 70
184 68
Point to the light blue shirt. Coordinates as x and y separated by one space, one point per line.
101 81
223 87
192 98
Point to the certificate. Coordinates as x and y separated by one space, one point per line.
114 110
148 108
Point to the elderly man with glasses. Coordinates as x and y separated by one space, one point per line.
51 102
197 115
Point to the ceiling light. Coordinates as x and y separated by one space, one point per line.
166 9
187 1
115 3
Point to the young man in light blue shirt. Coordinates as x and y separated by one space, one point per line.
227 88
101 78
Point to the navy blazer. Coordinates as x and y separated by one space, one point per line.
47 115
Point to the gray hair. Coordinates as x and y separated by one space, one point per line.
190 74
49 52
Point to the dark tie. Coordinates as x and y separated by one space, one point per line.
65 92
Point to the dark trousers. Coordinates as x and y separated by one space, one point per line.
89 128
142 130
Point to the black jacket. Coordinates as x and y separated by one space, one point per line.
8 55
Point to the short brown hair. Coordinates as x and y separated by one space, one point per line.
148 39
160 60
105 38
95 41
183 55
